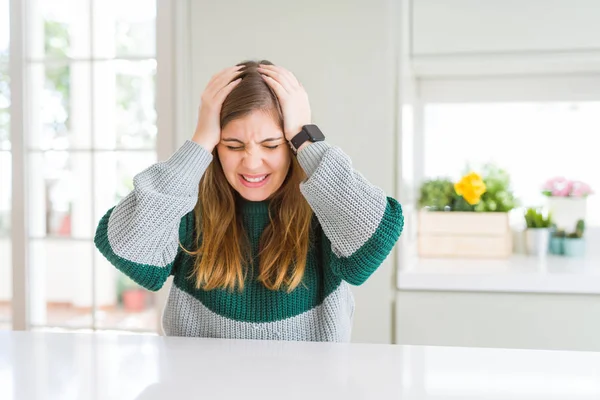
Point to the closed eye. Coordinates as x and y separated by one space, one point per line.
272 147
235 148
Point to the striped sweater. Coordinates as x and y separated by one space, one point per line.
355 226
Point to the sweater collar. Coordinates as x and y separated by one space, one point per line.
254 207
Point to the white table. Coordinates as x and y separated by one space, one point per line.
41 365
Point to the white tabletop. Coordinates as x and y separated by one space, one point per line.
40 365
519 273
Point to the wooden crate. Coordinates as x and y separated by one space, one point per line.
464 234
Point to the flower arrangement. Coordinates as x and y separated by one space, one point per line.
563 187
488 191
471 187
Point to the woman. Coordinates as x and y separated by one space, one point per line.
262 238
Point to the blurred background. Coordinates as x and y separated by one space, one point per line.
481 117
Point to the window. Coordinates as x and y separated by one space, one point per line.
5 171
533 141
91 126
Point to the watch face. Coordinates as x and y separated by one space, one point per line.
314 132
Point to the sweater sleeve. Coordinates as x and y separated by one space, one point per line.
361 224
140 235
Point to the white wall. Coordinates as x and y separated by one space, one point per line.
522 37
473 26
345 54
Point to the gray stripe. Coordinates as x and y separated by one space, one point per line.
144 226
348 206
310 157
184 315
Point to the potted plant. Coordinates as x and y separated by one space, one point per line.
567 200
574 243
537 234
466 218
557 240
437 194
498 196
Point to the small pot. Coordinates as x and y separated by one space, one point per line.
134 300
557 245
574 247
537 241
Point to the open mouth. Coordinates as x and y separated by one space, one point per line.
248 178
254 181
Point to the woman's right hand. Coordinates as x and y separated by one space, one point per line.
208 129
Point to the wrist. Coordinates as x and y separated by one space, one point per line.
292 132
306 135
206 144
304 145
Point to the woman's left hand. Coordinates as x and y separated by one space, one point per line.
292 97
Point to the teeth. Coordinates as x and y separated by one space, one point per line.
254 179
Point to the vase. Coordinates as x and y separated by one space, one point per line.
574 247
134 300
566 211
537 241
557 245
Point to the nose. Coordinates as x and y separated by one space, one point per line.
252 160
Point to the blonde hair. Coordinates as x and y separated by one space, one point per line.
223 250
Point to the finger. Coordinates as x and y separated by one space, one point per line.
276 86
284 72
224 92
222 79
281 79
224 71
225 77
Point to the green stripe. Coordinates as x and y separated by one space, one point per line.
148 276
324 271
257 303
357 268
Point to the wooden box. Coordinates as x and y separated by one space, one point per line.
464 234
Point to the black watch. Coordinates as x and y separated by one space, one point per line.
308 132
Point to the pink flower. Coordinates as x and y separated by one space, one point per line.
558 186
581 189
561 187
551 184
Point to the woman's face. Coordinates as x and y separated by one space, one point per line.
254 155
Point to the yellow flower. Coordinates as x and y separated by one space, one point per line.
470 187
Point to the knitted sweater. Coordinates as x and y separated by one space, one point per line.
355 226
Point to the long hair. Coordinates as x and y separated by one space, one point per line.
223 252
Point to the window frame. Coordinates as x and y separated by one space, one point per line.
170 26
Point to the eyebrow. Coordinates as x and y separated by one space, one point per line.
263 141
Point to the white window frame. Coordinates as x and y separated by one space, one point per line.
171 43
496 89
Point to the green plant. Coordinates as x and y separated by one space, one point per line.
559 233
536 219
440 194
498 196
579 230
437 194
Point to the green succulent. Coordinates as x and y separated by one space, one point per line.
536 219
579 230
